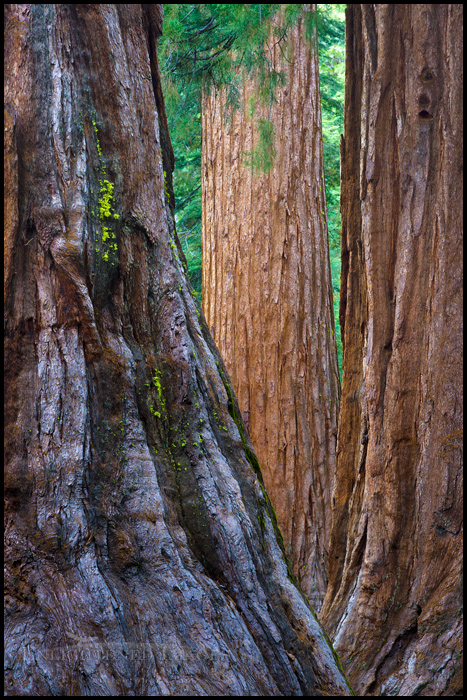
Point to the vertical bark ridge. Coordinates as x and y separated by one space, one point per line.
393 603
267 297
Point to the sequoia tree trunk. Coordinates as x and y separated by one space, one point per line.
267 297
142 555
393 606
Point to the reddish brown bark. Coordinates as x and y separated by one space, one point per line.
267 297
393 605
141 551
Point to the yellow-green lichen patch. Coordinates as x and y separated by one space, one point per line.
107 217
165 187
157 383
156 399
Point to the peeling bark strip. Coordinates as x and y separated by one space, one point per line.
141 558
267 296
394 603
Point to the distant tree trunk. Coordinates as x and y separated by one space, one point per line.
141 550
267 297
393 606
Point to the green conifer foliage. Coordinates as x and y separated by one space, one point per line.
332 74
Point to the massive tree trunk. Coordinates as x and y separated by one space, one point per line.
142 555
393 606
267 297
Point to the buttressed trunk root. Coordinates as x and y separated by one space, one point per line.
142 555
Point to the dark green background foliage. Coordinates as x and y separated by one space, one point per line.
205 46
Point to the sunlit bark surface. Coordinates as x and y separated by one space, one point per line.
267 296
393 606
141 552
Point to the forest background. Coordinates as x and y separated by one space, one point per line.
202 47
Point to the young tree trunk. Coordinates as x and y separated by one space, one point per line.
142 555
393 605
267 297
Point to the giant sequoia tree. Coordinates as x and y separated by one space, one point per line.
267 292
142 554
393 605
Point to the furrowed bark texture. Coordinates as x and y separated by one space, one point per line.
393 606
141 551
267 298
